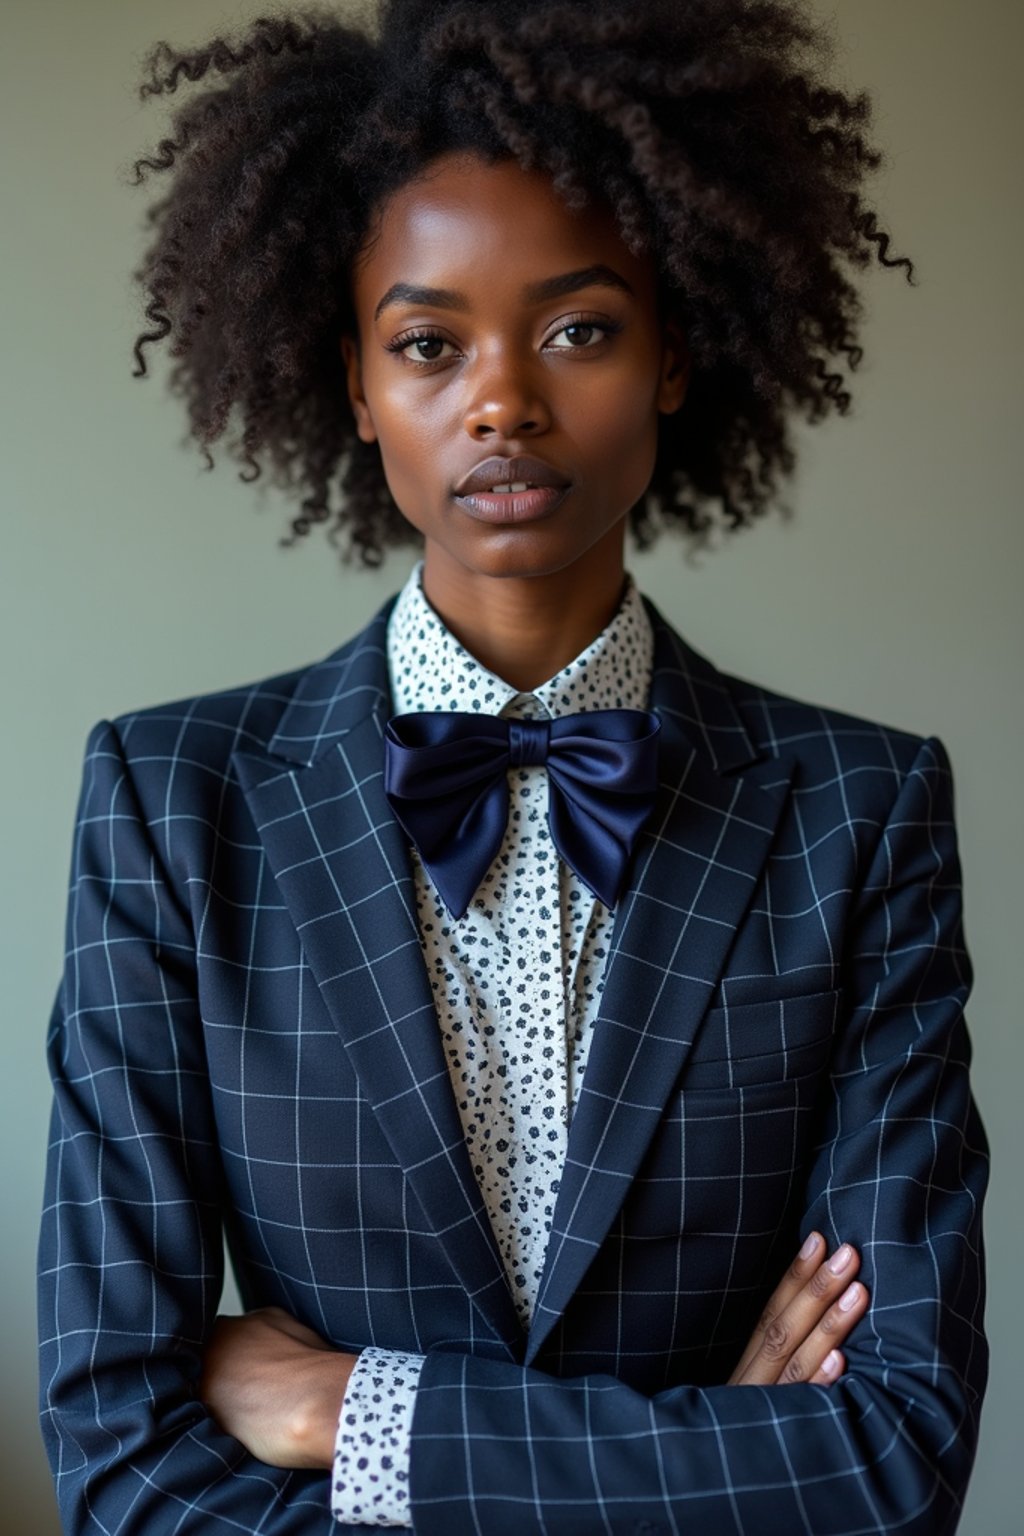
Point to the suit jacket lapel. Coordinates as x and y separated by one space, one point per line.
341 860
342 864
694 872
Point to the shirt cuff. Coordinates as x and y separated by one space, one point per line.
370 1485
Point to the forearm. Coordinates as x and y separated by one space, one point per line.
129 1439
520 1452
274 1383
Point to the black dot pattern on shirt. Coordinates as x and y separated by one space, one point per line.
517 979
516 983
371 1454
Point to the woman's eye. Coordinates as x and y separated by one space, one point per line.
582 334
427 347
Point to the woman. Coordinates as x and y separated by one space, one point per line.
554 1024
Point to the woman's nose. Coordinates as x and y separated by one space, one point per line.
506 400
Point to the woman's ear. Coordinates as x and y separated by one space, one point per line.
354 378
675 369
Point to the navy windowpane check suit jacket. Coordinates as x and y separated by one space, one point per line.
245 1040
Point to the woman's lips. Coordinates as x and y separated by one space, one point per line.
513 506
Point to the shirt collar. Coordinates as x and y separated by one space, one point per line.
431 670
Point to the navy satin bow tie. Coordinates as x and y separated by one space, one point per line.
445 777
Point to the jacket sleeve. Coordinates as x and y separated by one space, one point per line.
899 1170
131 1252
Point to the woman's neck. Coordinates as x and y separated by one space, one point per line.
525 629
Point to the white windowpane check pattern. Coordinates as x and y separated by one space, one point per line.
245 1037
516 981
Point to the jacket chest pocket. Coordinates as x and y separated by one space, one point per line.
741 1046
728 1157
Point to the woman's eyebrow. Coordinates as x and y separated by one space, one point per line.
597 276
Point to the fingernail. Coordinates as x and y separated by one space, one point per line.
831 1362
809 1247
839 1260
848 1300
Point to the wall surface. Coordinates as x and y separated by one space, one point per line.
130 577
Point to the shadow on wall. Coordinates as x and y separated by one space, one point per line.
28 1503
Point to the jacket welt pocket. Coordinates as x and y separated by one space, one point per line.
763 1042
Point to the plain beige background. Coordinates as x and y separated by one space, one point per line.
130 577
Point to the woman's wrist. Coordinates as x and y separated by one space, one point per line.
319 1395
276 1386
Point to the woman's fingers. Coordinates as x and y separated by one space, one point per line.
809 1325
807 1318
830 1370
796 1276
818 1359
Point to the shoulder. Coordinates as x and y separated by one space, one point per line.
207 729
823 739
739 721
176 761
848 769
208 726
845 773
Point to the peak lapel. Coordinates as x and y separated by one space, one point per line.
343 867
695 870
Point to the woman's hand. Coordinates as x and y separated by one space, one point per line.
276 1386
807 1317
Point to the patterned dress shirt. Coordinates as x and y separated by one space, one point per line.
516 982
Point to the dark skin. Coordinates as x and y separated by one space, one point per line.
509 373
512 375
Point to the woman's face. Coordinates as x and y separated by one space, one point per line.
493 321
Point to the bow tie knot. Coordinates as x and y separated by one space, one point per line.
446 779
528 742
